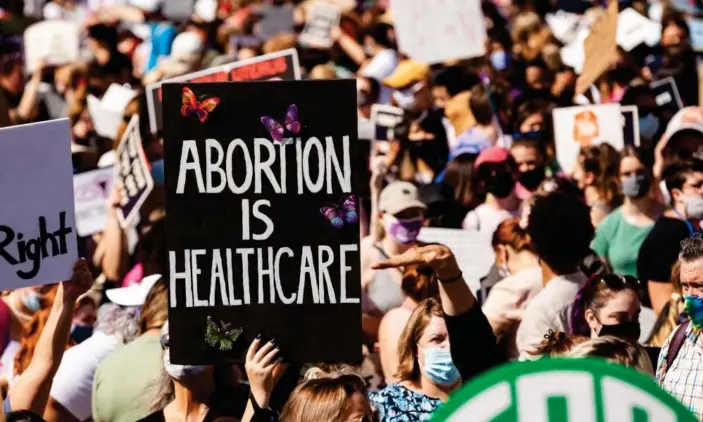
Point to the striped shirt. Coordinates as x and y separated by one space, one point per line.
684 379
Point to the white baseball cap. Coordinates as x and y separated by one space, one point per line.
134 295
147 5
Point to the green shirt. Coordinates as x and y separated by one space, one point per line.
120 387
619 242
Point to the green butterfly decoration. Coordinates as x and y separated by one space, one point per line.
220 336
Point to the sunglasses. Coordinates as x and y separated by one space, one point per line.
618 282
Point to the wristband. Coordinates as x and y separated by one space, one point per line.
452 279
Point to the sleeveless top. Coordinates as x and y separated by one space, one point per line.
384 292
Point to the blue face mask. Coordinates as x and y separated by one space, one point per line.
649 125
499 60
439 366
693 306
31 300
157 172
80 332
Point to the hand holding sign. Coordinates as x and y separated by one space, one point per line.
80 282
263 369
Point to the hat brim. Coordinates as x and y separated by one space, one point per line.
398 207
134 295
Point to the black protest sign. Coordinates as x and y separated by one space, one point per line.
666 93
263 220
630 125
385 118
318 27
281 65
132 174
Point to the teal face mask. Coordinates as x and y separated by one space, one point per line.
693 306
439 366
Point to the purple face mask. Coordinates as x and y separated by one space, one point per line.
404 231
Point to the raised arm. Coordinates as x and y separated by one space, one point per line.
31 392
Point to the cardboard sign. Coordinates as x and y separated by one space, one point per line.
91 192
281 65
472 250
385 119
107 112
667 93
584 390
37 223
630 125
323 17
263 221
584 126
599 47
132 174
439 30
56 42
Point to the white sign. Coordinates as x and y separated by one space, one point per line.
56 42
472 250
132 174
91 191
696 27
439 30
37 221
584 126
322 18
107 112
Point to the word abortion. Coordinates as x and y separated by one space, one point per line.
317 166
314 279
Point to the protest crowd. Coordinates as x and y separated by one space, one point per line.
497 182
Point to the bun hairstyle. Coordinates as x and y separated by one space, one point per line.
557 343
419 282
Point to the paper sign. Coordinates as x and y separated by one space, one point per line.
91 191
585 126
472 250
667 94
385 119
696 27
439 30
107 113
635 29
54 41
599 47
37 221
281 65
583 389
318 25
263 230
132 174
630 125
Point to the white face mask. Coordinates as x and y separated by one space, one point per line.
694 207
405 99
180 372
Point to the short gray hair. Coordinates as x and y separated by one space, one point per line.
119 321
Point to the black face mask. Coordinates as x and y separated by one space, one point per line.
628 330
500 185
532 178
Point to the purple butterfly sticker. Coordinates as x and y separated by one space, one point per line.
290 124
344 213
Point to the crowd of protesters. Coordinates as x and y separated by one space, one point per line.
580 253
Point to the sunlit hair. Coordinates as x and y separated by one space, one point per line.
408 366
324 399
323 71
510 233
33 330
691 248
557 343
154 313
670 314
603 162
615 350
279 42
419 282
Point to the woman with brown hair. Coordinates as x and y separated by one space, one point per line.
418 284
596 173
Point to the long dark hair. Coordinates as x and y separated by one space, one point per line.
594 296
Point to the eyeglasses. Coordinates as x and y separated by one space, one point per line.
618 282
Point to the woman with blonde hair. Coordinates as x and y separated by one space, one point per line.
615 350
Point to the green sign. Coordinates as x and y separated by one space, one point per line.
563 390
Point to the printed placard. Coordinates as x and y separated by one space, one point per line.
585 126
319 23
92 190
439 30
281 65
37 223
385 119
667 93
263 220
630 125
695 25
132 174
54 41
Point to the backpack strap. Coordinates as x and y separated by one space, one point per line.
676 343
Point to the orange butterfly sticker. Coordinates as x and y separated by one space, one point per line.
190 105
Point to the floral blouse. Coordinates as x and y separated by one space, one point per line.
396 403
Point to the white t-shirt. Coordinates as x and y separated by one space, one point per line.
73 383
486 219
